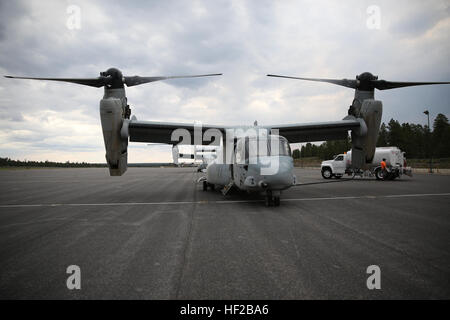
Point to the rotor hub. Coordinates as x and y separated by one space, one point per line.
364 81
117 79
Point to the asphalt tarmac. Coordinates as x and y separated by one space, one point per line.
154 234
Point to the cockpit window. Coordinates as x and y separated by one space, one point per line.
247 148
279 146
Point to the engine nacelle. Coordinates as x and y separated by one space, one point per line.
112 118
364 141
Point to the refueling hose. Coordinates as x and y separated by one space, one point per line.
322 182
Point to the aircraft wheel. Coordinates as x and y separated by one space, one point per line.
269 199
276 201
212 187
205 186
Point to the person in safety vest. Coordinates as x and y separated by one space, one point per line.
383 167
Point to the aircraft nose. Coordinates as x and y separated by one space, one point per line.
281 177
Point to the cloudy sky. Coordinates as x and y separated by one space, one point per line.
243 39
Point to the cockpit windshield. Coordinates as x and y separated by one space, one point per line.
278 146
252 147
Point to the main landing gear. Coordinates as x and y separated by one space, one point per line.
206 185
272 198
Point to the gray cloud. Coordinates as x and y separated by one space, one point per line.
243 39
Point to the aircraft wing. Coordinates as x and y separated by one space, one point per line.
161 132
316 131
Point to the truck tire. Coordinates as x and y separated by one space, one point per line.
326 173
379 174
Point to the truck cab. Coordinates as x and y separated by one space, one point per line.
334 168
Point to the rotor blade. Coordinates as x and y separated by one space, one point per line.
343 82
385 85
137 80
92 82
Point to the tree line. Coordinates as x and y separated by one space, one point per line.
416 140
7 162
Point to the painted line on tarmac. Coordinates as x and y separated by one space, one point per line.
215 202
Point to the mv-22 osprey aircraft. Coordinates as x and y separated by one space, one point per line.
252 158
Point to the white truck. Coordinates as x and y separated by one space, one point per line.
395 162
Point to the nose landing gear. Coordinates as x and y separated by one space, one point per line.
272 198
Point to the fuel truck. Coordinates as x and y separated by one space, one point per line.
395 162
